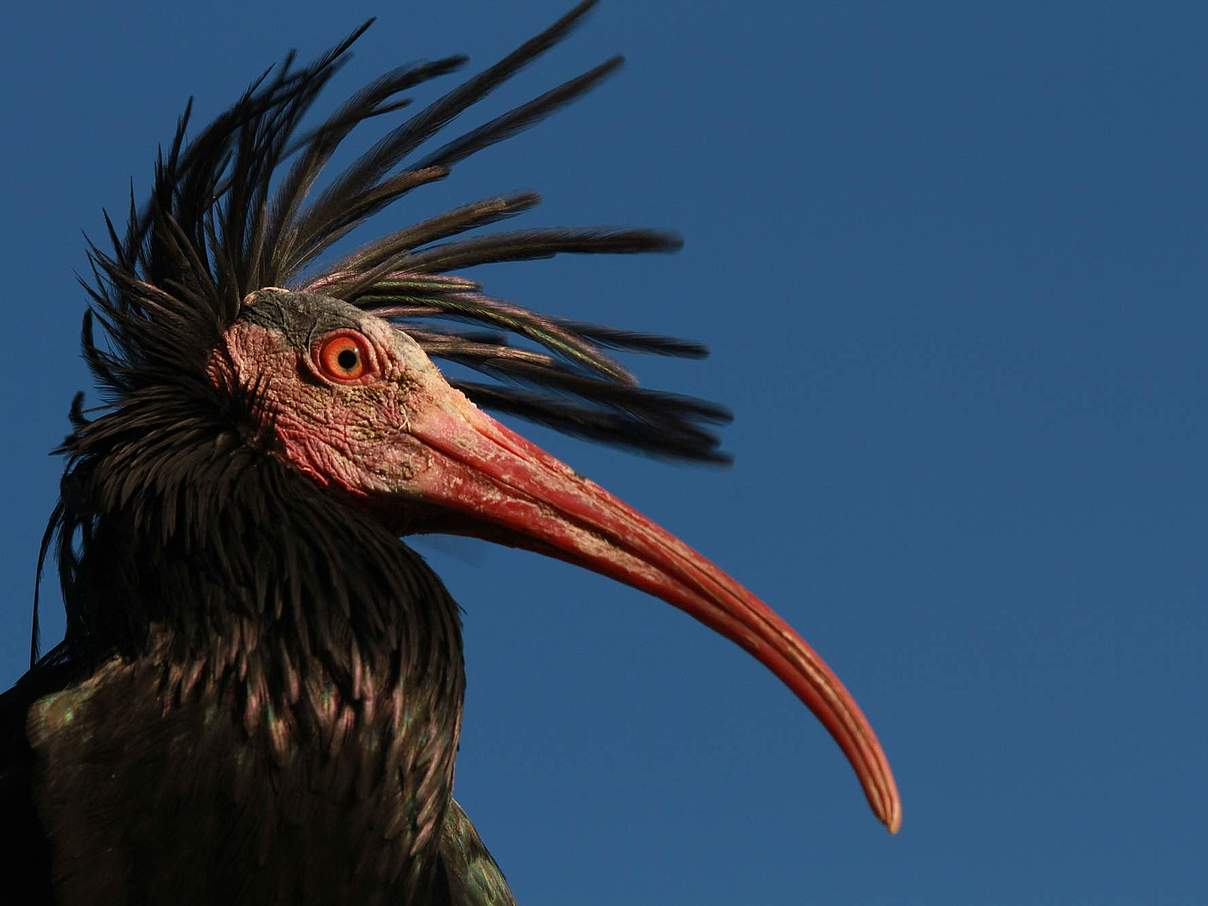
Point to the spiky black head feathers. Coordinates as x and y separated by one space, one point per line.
230 213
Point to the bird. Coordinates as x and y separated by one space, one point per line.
258 696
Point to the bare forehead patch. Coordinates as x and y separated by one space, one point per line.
299 316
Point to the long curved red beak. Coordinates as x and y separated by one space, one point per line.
490 482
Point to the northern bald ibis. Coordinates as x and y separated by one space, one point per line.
259 694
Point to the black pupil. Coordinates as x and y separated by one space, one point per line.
347 359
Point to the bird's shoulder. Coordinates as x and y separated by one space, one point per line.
25 858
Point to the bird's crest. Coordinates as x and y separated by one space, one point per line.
230 213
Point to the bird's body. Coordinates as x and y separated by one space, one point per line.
259 695
219 733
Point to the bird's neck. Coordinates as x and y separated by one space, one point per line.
322 639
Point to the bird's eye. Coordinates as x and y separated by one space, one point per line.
345 357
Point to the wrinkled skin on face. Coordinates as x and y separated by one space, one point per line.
356 405
352 435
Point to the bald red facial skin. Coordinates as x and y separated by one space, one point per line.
402 444
352 437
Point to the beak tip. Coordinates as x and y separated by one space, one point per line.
893 819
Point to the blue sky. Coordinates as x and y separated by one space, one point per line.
952 262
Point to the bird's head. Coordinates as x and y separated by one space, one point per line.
335 390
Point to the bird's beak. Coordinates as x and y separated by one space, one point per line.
487 481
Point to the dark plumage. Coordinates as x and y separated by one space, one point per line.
258 697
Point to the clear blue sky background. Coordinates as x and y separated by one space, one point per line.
952 261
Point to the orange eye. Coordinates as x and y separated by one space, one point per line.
345 357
